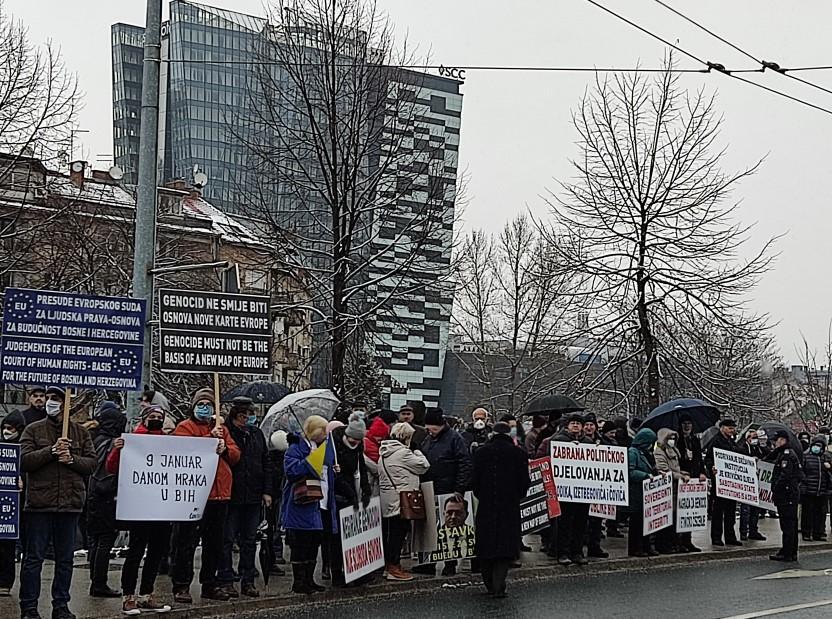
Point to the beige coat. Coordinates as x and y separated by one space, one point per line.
399 469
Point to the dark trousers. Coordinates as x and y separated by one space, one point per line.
393 532
749 519
637 542
210 531
594 533
572 528
304 544
99 556
813 520
43 527
788 526
549 538
494 573
153 537
723 520
277 536
7 566
241 527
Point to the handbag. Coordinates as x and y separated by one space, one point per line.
411 502
307 491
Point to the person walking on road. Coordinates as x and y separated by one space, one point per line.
500 481
642 465
399 471
55 469
723 518
785 489
251 491
149 535
210 528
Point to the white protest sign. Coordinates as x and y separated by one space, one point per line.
600 510
692 506
587 473
736 477
361 543
657 503
765 470
165 478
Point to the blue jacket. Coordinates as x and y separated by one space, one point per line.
296 468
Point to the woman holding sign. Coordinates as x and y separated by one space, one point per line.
642 466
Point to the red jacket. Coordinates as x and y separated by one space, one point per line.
221 490
114 457
377 432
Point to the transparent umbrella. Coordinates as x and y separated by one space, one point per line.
291 412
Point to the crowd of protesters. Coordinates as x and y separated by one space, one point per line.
71 483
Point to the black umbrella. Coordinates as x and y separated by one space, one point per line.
266 549
260 392
770 427
553 405
667 415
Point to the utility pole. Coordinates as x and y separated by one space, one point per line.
145 237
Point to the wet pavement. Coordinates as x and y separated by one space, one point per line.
464 588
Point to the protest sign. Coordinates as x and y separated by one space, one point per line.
765 470
600 510
9 491
214 332
455 529
361 539
736 477
72 340
692 506
541 502
657 503
587 473
165 477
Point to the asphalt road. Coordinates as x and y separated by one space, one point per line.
716 590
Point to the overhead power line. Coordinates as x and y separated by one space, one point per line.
718 67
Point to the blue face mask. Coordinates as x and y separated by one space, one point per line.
513 433
816 449
252 420
203 412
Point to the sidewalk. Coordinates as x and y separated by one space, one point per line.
277 594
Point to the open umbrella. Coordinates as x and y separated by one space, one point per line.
770 427
290 413
703 415
553 405
260 392
707 437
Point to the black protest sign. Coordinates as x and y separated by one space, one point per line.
214 332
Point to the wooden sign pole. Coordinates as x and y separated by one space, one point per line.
217 404
67 406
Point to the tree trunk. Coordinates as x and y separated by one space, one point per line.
648 342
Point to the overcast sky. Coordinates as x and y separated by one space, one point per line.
516 133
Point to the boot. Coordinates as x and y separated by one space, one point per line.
299 584
310 578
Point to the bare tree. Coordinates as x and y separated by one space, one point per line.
660 251
350 177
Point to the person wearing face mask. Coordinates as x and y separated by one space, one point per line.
210 529
478 431
148 536
351 486
815 489
55 469
250 491
750 515
37 405
300 512
666 454
102 528
516 433
785 494
12 426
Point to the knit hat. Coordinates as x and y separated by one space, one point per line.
203 394
153 408
56 391
501 427
356 428
332 425
15 420
572 418
609 426
434 417
279 440
406 407
590 418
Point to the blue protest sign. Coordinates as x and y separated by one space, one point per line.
9 514
72 340
9 466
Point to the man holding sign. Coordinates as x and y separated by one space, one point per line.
56 468
723 517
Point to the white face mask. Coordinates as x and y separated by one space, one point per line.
53 408
479 424
755 441
671 442
10 435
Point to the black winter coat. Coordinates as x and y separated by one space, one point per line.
690 455
786 478
720 442
253 475
450 462
500 482
818 481
350 461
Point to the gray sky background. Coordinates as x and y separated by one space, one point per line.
516 135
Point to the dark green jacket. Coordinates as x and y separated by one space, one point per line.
641 465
